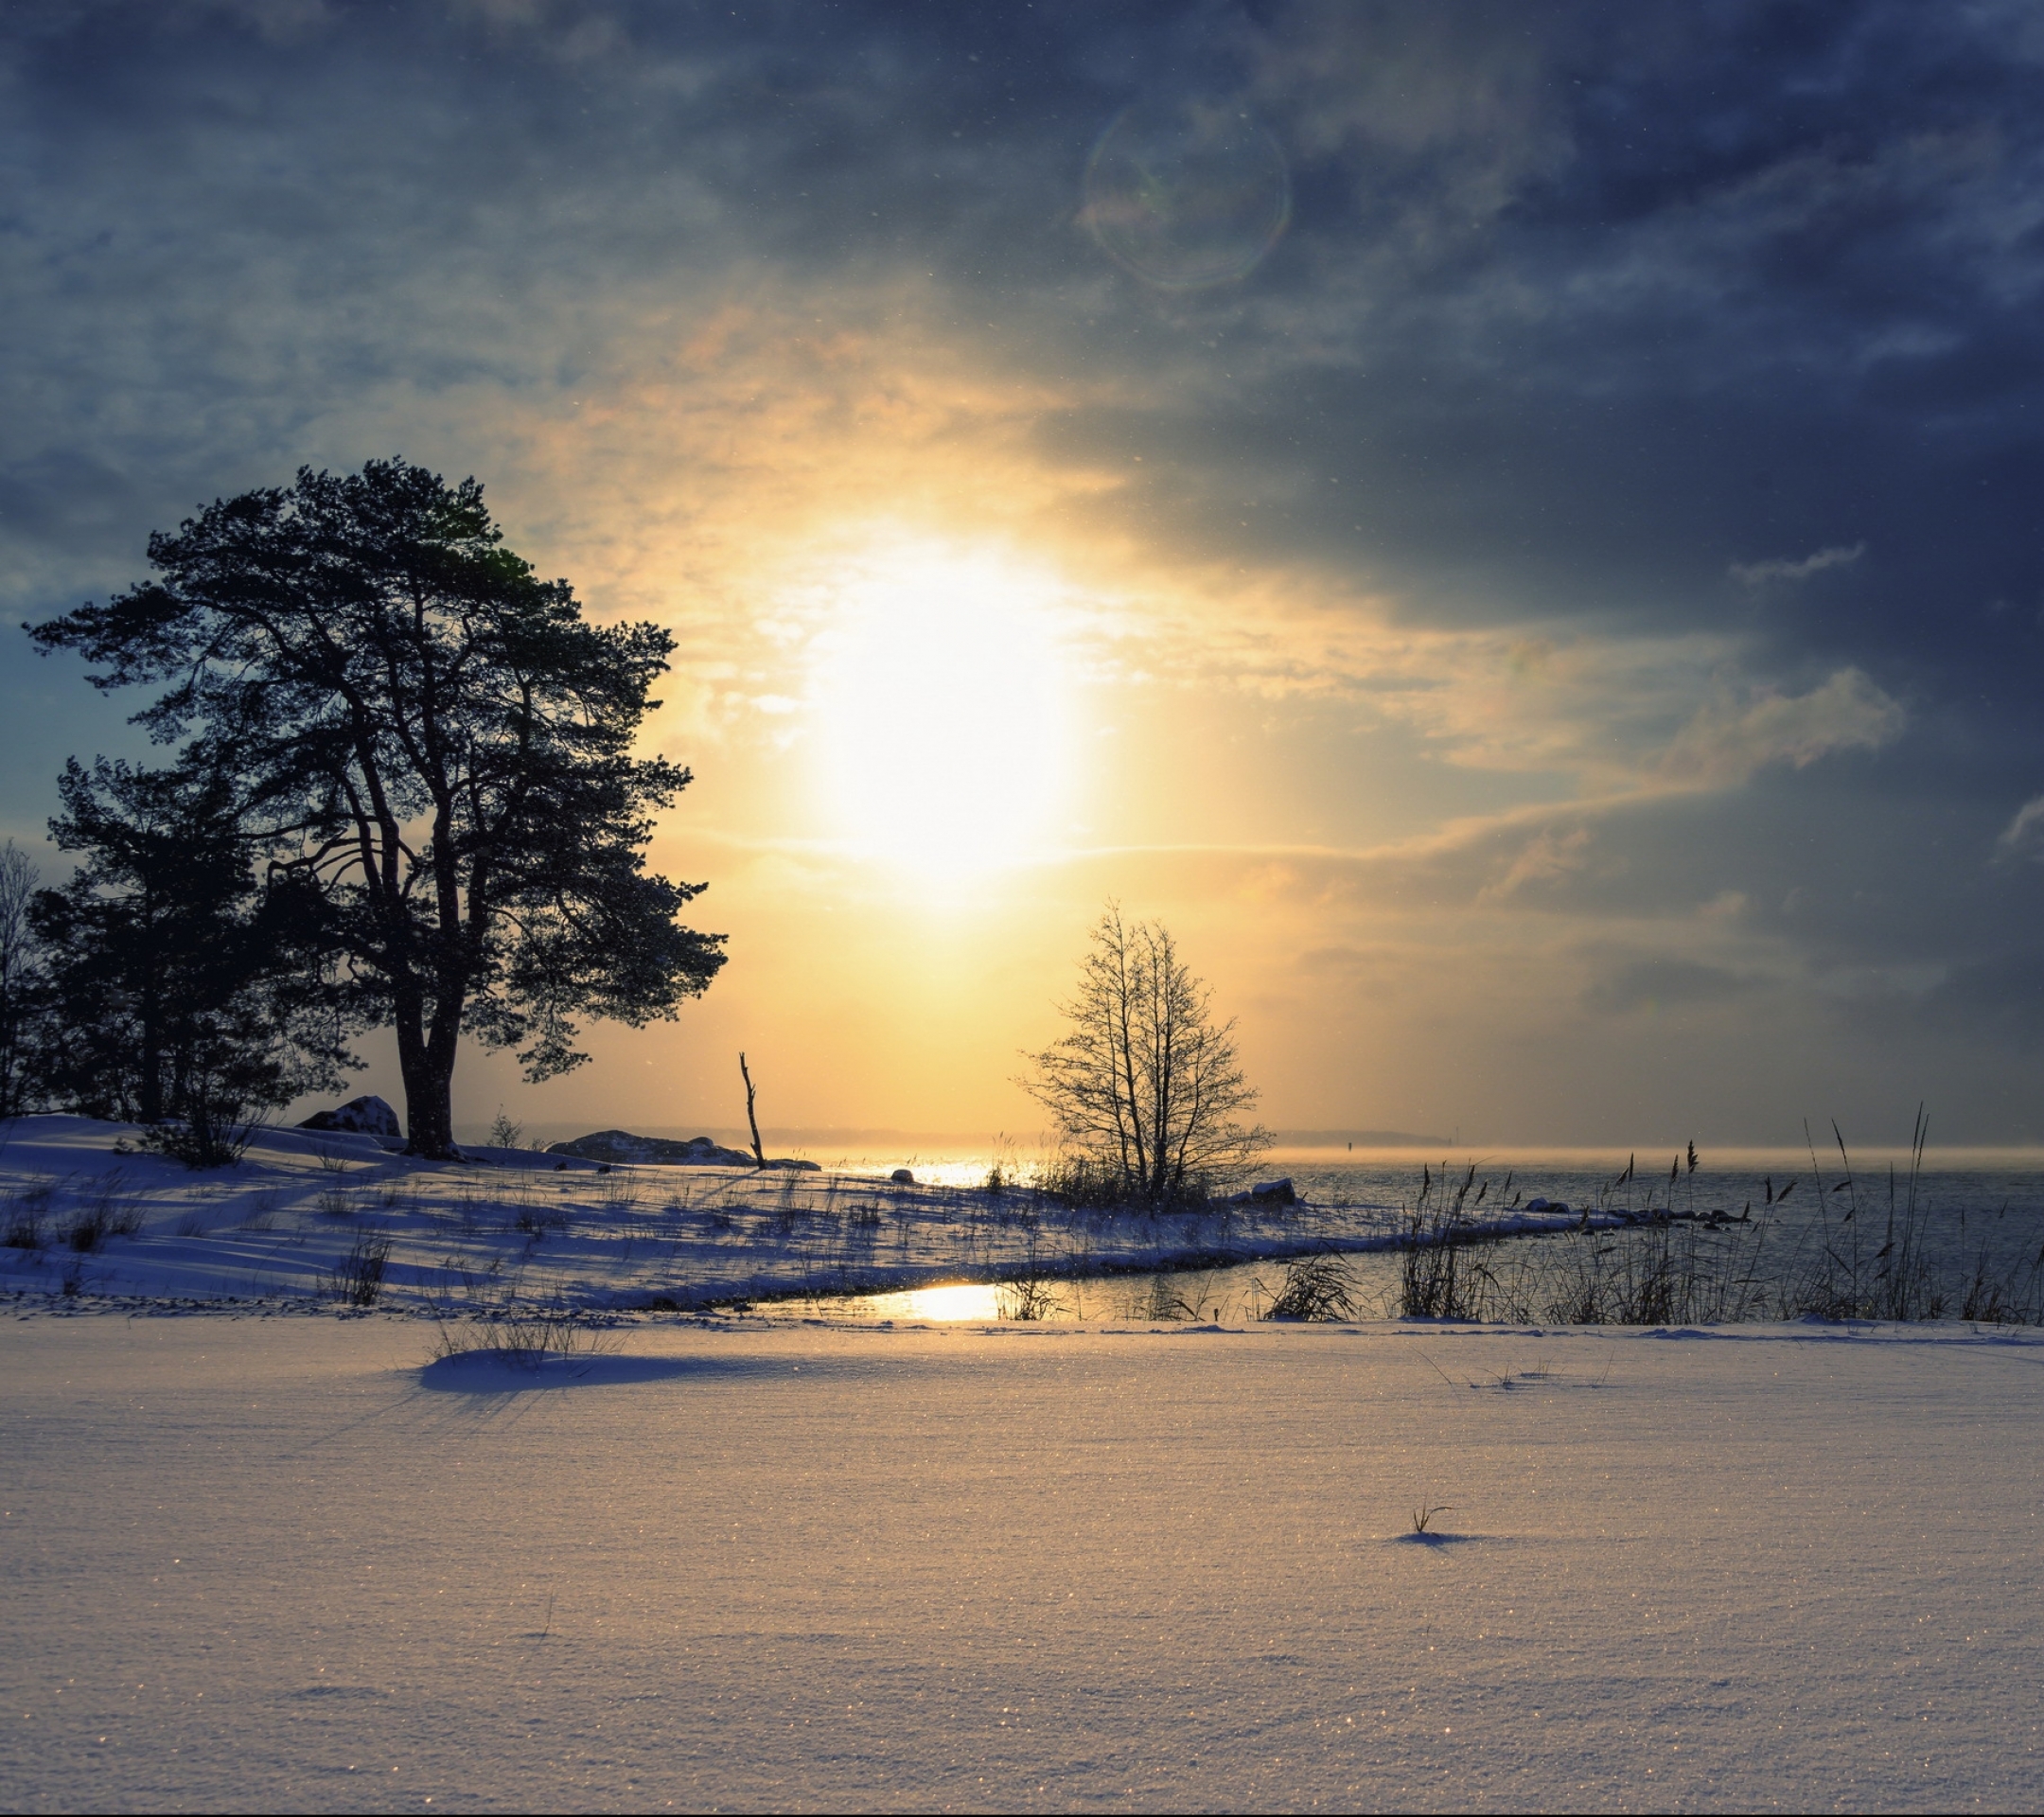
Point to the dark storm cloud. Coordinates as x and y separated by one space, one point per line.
1758 294
1582 307
225 223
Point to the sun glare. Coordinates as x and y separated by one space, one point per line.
940 707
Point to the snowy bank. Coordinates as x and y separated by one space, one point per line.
296 1215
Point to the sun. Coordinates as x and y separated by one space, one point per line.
940 708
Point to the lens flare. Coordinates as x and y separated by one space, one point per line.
938 696
1187 192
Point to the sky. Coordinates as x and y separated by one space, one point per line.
1513 530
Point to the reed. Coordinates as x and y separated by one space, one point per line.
1435 1277
1316 1289
1856 1253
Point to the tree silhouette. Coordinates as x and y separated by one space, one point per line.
1146 1088
173 985
434 739
20 979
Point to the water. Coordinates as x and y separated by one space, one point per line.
1974 1210
1233 1295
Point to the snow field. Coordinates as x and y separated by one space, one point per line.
288 1563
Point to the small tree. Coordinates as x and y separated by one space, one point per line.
1146 1088
437 741
19 977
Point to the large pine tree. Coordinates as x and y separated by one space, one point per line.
434 738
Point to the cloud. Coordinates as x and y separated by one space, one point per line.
1665 982
1548 857
1729 741
1437 117
1758 573
2023 837
1425 525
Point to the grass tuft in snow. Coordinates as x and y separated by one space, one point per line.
205 1140
103 1213
1434 1278
22 1228
522 1339
536 1220
357 1279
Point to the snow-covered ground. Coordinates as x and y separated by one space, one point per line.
251 1561
521 1225
263 1562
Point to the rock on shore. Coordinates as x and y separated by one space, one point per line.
621 1148
365 1116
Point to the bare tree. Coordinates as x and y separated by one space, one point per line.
1146 1088
18 879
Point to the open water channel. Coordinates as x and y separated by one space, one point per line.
1789 1215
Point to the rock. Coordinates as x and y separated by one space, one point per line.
1273 1192
621 1148
901 1177
616 1146
365 1116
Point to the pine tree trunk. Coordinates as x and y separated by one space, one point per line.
148 1088
429 1086
428 1110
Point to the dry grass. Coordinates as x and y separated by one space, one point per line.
1317 1289
105 1212
522 1339
1433 1280
21 1226
1031 1296
1858 1254
357 1279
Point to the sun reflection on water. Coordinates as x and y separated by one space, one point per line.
965 1300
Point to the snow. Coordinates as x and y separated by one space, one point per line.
253 1560
262 1562
526 1224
